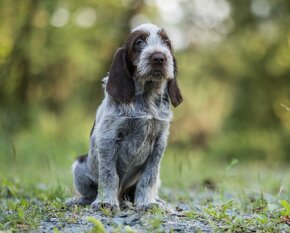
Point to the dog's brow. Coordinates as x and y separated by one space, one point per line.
164 37
163 34
137 34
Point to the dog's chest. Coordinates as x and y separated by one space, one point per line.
137 139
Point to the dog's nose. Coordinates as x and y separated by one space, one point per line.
158 58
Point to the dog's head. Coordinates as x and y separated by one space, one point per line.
146 56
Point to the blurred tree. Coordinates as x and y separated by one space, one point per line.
251 62
16 70
234 66
46 54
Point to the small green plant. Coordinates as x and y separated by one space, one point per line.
55 230
156 223
232 164
286 208
129 229
107 212
259 205
155 209
262 219
190 214
219 212
98 225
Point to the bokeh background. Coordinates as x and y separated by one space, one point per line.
234 73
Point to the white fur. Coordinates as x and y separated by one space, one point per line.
73 167
151 28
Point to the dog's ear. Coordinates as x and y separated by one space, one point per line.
173 89
120 83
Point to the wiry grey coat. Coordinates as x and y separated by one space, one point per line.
131 126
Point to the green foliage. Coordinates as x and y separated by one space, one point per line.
286 206
128 229
23 206
232 164
98 226
234 80
20 206
55 230
107 212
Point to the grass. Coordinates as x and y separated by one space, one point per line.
229 196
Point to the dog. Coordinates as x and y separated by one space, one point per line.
131 127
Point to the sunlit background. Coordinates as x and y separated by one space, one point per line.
234 73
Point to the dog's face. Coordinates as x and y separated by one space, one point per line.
150 53
147 55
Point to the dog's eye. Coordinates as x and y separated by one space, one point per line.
139 43
168 43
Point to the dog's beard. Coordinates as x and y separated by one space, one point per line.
155 75
147 73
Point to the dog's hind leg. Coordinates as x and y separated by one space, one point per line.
84 183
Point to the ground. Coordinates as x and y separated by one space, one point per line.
202 195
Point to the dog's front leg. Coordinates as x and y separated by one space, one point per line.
147 187
108 177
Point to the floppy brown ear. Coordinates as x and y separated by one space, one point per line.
120 84
173 89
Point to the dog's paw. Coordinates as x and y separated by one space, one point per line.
150 207
96 205
159 200
78 201
126 205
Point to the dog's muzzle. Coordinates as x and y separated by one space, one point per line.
157 62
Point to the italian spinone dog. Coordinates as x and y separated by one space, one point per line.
131 126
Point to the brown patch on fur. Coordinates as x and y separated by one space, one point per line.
131 48
120 83
164 37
